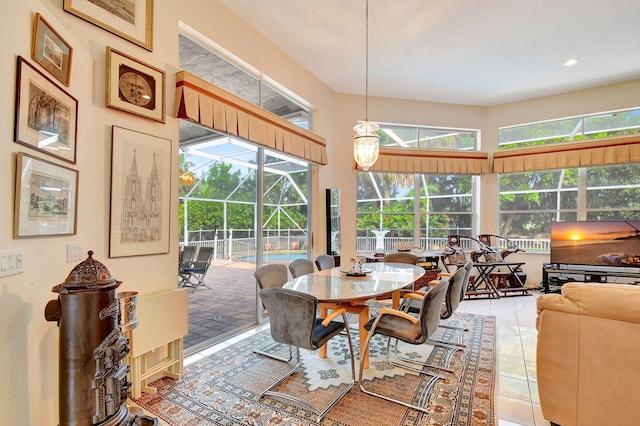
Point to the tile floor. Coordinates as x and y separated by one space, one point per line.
517 401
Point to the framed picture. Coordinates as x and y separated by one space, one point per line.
130 19
134 87
140 194
50 50
46 115
46 198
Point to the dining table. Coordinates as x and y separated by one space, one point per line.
338 288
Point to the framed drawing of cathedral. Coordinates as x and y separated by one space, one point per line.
140 194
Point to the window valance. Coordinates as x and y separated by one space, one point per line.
204 103
567 155
431 161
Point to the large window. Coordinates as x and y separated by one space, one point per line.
587 127
418 208
530 201
423 137
209 66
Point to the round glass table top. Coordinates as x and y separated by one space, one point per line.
333 285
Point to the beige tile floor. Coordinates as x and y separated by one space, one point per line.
517 401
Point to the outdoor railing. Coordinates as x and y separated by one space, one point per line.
237 248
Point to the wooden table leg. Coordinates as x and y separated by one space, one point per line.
363 318
323 309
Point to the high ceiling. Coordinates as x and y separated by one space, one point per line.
469 52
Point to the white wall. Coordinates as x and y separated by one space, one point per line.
29 353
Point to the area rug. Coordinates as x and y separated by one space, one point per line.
224 388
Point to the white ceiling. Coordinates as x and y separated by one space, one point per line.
472 52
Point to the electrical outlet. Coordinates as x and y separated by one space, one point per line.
74 252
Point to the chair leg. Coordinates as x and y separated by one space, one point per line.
448 357
302 402
270 355
428 388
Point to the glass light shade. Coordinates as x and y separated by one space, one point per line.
365 144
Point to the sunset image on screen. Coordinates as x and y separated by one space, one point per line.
596 243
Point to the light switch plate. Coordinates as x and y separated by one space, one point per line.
11 262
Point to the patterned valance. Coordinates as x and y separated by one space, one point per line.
406 160
567 155
204 103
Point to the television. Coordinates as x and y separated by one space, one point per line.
597 243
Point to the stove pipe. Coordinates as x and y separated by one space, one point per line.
93 384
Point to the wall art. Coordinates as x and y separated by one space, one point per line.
130 19
50 50
140 194
46 116
135 87
46 198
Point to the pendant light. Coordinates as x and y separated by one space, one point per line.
366 139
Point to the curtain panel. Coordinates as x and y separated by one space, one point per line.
203 103
568 155
406 160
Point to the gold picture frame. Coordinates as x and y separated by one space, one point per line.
140 213
129 19
135 87
46 202
50 50
46 117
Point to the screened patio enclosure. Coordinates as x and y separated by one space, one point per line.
218 194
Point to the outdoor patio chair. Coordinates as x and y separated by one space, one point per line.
324 261
402 326
301 267
193 275
293 321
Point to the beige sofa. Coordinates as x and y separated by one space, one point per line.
588 355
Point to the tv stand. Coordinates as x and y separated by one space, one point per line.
554 275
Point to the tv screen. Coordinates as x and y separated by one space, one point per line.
596 243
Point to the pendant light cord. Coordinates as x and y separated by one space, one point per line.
366 61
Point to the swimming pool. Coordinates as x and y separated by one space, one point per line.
274 257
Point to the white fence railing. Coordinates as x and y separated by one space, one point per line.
234 248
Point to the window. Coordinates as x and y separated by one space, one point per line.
587 127
419 208
422 137
209 66
530 201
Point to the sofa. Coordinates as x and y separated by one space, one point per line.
588 355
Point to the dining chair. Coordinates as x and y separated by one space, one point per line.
324 261
197 270
273 275
398 325
455 294
301 267
293 321
401 257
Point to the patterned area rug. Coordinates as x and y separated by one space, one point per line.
223 389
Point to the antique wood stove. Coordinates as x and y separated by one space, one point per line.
93 380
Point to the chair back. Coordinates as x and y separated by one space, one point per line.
456 287
430 310
324 261
292 316
301 267
187 255
468 267
273 275
204 257
401 257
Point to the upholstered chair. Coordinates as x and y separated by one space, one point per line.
293 321
402 326
301 267
324 261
